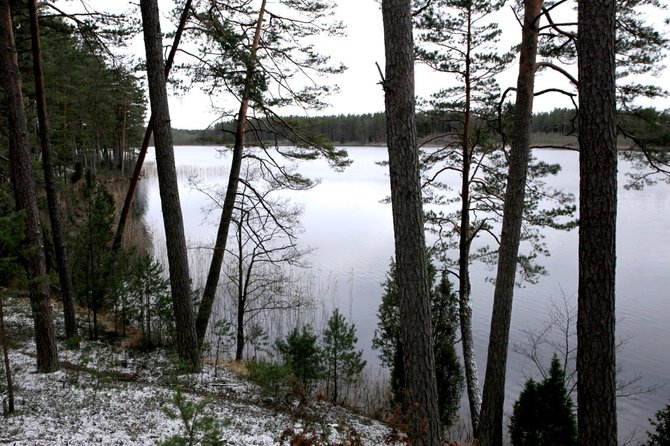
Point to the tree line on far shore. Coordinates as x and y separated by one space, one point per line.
370 128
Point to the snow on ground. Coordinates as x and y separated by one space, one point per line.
109 396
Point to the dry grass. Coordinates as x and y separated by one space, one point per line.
239 368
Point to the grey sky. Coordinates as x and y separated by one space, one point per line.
359 50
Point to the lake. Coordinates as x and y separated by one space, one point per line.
352 233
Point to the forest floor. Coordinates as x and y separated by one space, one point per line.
108 395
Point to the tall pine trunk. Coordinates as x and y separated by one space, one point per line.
21 174
62 261
464 243
491 421
408 224
180 281
596 368
205 310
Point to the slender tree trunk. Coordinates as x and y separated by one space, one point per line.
24 193
596 368
148 304
408 224
335 377
125 210
465 316
491 423
8 371
95 317
180 281
239 349
122 140
50 180
209 293
465 240
241 293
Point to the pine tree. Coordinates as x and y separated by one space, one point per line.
444 314
93 266
302 355
180 281
543 413
448 370
147 289
596 289
22 178
493 396
342 362
260 67
408 221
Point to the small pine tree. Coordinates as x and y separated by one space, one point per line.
661 435
526 416
343 363
387 335
444 313
257 341
543 413
200 425
302 355
448 371
147 287
224 337
95 273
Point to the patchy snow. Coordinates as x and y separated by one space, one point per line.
109 396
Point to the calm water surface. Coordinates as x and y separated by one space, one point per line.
353 236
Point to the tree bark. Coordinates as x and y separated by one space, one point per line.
21 174
596 368
209 293
408 224
125 210
491 421
62 261
180 281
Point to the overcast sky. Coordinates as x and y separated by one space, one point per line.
359 50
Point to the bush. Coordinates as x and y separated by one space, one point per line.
543 413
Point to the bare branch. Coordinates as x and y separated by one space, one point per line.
558 69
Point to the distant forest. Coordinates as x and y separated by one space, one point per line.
369 129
